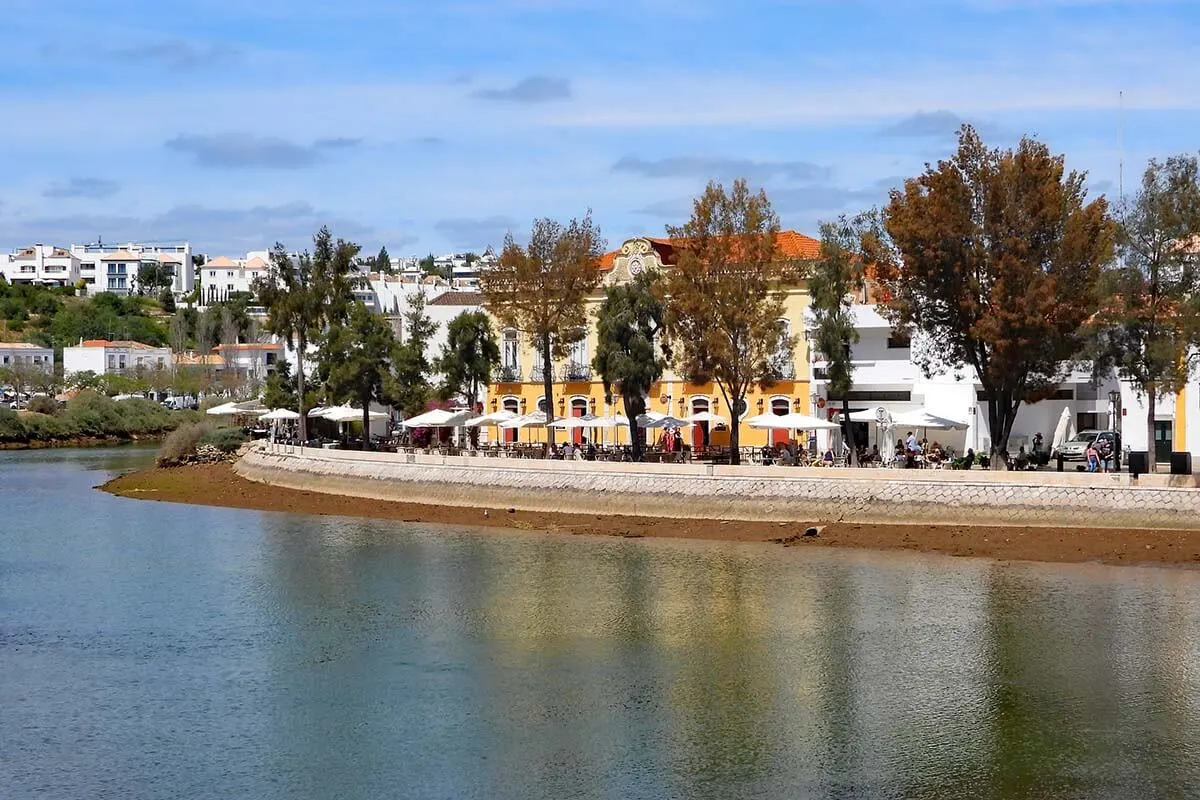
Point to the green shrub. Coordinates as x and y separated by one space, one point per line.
93 414
45 428
43 405
181 443
145 416
11 427
227 440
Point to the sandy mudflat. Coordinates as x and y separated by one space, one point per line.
218 485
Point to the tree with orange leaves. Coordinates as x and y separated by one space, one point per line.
726 295
998 255
541 290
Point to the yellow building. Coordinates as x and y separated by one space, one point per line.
578 390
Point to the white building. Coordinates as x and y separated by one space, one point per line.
40 264
223 277
256 360
114 268
885 375
464 268
103 357
23 354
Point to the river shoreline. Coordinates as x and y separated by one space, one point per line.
219 485
83 442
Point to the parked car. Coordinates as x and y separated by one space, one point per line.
180 403
1075 448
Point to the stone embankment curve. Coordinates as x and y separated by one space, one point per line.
786 494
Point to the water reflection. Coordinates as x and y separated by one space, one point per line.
227 653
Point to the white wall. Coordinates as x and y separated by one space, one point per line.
83 359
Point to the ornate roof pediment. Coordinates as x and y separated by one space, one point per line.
635 257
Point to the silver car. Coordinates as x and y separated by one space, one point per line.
1075 448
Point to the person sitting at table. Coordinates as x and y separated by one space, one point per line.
1022 461
589 450
827 457
568 450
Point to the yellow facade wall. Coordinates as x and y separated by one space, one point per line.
671 395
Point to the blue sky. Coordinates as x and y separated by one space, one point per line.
438 125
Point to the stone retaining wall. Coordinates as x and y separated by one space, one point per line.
737 493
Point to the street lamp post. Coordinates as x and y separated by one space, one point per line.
1114 410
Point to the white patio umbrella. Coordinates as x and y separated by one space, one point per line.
277 414
790 422
923 418
318 412
709 417
662 421
867 414
225 410
887 430
566 423
535 420
438 418
350 414
611 421
1063 431
495 418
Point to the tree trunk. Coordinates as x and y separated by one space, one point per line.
301 343
996 460
366 406
1151 397
473 433
548 388
848 430
735 429
635 406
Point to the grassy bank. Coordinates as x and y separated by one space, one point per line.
88 418
219 485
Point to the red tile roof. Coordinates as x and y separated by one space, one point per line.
458 299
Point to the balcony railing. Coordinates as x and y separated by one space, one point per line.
509 374
538 374
783 370
577 372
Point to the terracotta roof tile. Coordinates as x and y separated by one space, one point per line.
458 299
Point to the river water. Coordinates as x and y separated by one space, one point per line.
153 650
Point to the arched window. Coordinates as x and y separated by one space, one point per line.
780 406
514 405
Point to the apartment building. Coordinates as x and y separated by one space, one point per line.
22 354
223 278
114 268
102 356
40 264
254 359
